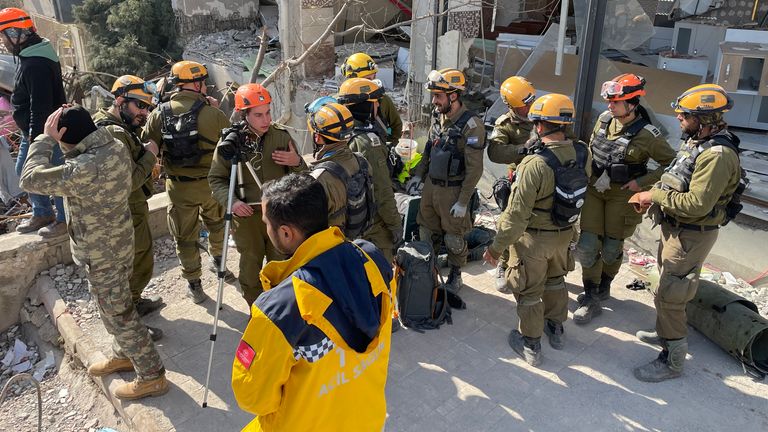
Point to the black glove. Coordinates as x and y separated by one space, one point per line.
229 147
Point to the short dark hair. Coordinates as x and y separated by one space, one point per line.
551 127
296 200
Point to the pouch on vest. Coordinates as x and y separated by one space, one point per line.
445 159
180 136
422 299
570 184
361 207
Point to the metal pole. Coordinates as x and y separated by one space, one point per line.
561 36
589 54
435 25
222 271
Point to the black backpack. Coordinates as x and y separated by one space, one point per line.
361 205
422 300
502 189
571 182
180 135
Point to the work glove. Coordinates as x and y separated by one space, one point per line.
458 210
414 186
229 147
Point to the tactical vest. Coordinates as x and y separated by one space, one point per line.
570 184
361 206
680 172
608 155
445 159
180 136
136 142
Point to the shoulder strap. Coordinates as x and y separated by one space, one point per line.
463 120
581 153
605 120
334 168
362 162
636 127
722 140
549 157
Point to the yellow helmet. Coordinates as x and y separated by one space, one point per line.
357 90
359 65
445 81
552 108
133 87
703 99
517 92
187 71
333 121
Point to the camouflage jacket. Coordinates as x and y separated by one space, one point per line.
95 181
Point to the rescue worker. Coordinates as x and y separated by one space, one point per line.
622 143
362 97
38 91
532 231
315 353
93 181
269 150
123 120
506 145
331 124
451 166
186 129
361 65
693 199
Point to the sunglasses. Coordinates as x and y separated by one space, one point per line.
141 105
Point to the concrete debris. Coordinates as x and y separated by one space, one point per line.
234 49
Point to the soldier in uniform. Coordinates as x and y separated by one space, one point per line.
451 166
693 199
361 65
187 128
362 97
92 181
269 150
506 145
536 239
622 142
123 120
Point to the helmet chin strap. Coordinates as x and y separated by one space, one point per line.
629 112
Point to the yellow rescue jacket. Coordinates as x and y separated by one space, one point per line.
314 356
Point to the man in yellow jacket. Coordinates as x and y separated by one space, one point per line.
314 356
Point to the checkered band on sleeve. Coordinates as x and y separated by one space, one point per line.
314 352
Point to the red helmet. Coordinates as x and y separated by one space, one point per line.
623 87
251 96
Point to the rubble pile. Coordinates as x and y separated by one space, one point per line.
234 49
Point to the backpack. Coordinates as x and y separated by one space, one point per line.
571 182
502 189
361 205
180 136
422 300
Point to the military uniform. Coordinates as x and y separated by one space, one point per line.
335 189
538 247
141 190
388 113
93 181
387 221
621 152
187 186
510 133
689 229
444 185
250 233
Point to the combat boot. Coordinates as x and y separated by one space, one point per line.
554 332
138 389
604 290
589 305
527 347
147 305
196 291
668 365
53 229
154 333
229 277
502 285
111 365
649 337
34 223
454 284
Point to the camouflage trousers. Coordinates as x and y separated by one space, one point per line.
108 282
143 254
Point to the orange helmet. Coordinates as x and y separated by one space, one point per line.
623 87
251 96
15 18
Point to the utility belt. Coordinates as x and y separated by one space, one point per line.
185 179
541 230
449 183
621 172
677 224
